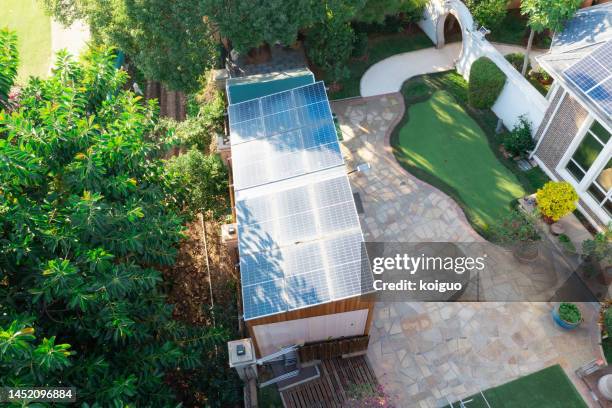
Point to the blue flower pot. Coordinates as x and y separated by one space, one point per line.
562 323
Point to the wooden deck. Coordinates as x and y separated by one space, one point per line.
330 390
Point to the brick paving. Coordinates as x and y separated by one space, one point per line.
426 353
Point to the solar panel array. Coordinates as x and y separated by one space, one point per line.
282 135
300 240
300 247
593 76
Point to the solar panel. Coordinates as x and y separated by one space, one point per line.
299 233
285 155
304 235
592 75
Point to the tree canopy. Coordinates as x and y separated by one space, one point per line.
548 14
169 40
87 217
489 13
377 10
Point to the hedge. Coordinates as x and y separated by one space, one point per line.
486 83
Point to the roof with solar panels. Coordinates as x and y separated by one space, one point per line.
299 236
580 58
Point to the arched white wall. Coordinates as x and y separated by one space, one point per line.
518 97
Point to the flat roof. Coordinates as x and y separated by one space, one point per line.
299 236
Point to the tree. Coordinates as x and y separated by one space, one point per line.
9 61
377 10
330 41
169 40
87 218
249 24
546 15
489 13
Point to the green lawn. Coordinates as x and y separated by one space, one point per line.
379 47
549 388
443 141
33 28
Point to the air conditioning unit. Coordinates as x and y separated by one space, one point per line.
242 358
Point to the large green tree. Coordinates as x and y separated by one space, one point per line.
377 10
87 217
489 13
250 24
546 15
169 40
9 62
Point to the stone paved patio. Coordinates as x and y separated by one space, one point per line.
427 352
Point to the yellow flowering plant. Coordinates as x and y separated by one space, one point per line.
556 199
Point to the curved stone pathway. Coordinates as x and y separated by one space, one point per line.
388 75
423 352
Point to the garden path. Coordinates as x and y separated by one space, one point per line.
388 75
426 352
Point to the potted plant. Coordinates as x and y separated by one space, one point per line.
555 200
597 254
517 232
567 315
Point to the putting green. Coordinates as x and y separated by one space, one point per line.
33 28
441 144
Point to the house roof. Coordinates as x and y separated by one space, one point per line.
588 31
299 236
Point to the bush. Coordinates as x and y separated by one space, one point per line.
518 141
600 247
570 313
360 45
486 83
516 227
516 60
204 120
608 321
556 199
202 182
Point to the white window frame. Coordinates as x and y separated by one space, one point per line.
590 176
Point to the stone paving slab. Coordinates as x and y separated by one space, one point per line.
426 353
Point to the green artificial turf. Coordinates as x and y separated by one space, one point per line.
548 388
442 144
379 48
33 28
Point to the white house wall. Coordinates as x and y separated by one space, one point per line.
273 336
518 96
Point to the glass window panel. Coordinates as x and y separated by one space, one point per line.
605 177
587 152
575 170
608 207
600 131
596 193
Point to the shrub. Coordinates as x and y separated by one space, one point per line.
518 141
556 199
608 321
516 60
569 312
360 45
600 247
515 227
202 181
204 119
486 83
